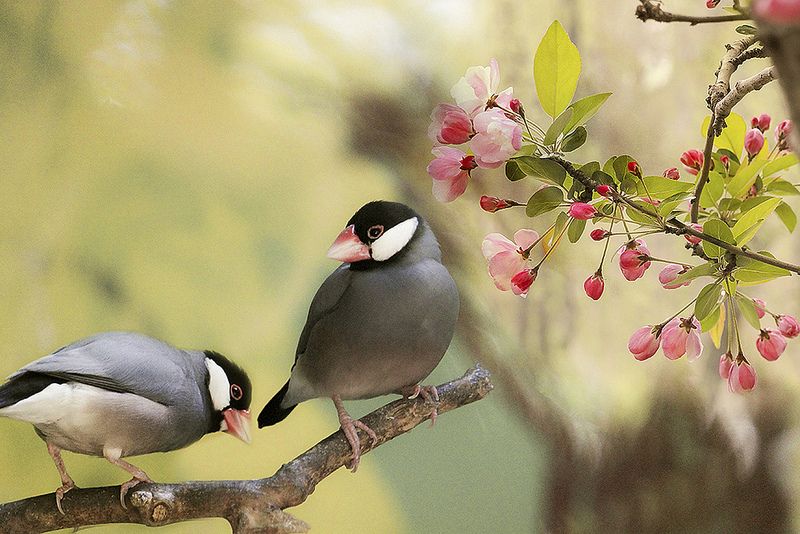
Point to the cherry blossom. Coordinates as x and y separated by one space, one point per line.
497 138
450 125
450 172
507 258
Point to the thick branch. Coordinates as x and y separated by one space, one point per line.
250 506
740 89
652 10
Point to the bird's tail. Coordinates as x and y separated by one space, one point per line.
22 386
273 412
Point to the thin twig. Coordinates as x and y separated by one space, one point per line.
652 10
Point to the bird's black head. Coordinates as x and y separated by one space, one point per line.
378 232
230 391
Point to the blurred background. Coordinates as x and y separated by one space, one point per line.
180 168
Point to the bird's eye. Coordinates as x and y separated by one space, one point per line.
236 392
375 232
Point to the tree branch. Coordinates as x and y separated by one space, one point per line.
249 506
652 10
740 89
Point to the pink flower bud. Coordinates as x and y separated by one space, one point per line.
725 364
522 281
634 169
598 234
644 343
761 122
778 11
634 260
788 325
581 211
693 239
711 4
516 106
782 131
450 124
670 273
603 190
594 286
771 344
692 160
726 162
493 204
761 307
742 377
672 173
682 336
753 141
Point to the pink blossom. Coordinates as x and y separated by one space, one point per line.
711 4
742 377
761 307
693 239
782 131
725 364
450 124
603 190
682 336
692 160
594 286
753 141
779 11
788 325
770 344
522 281
761 122
473 91
581 211
598 234
634 169
672 173
634 260
507 258
670 273
644 342
516 106
450 172
497 138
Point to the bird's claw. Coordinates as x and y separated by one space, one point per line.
349 426
60 492
123 489
428 393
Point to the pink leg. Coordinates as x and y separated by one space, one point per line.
113 456
349 426
66 481
428 394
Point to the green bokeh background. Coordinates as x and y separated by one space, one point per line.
180 168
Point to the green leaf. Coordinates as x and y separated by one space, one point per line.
748 309
556 68
713 190
546 170
575 140
591 167
544 200
621 166
720 230
715 325
779 164
732 136
557 127
660 187
780 186
642 218
513 172
585 108
575 230
707 300
709 322
608 166
602 177
751 272
746 29
705 269
745 178
787 216
561 222
749 223
670 203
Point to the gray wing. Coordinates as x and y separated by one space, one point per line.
324 302
123 362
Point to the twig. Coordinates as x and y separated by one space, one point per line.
727 66
249 506
740 89
651 10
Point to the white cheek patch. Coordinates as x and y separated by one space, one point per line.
394 239
218 385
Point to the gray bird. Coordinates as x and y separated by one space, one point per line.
379 324
122 394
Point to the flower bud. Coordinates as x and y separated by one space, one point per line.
522 281
598 234
670 273
516 106
742 377
753 142
450 124
672 173
634 169
594 286
692 160
693 239
725 364
761 307
788 325
782 131
771 344
644 343
682 336
603 190
711 4
581 211
493 204
761 122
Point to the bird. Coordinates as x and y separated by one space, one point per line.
379 324
119 394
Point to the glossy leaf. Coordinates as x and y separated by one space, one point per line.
782 187
705 269
561 223
751 272
544 200
787 216
749 223
557 127
715 325
707 300
732 136
513 172
669 204
585 108
660 187
545 169
720 230
575 230
745 177
748 310
575 140
713 190
779 164
556 68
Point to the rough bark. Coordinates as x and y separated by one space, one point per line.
250 506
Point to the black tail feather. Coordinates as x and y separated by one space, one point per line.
23 386
272 412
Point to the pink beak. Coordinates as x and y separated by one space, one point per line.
348 248
237 423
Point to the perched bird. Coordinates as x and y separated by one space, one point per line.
379 324
122 394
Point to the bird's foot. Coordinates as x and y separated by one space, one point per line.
428 393
123 489
349 427
60 492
